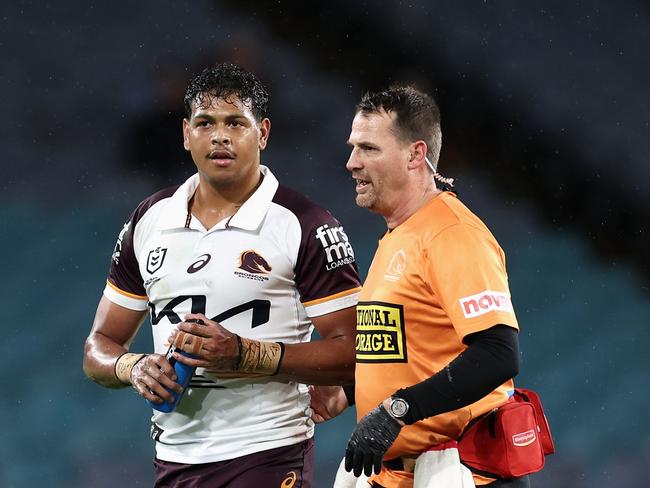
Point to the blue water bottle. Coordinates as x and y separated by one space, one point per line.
184 374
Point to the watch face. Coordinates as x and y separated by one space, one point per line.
398 407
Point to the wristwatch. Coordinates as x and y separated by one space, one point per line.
398 407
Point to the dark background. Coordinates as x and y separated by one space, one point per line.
545 111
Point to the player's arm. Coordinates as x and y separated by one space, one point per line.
328 361
108 362
113 330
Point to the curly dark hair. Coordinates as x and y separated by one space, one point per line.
417 115
227 80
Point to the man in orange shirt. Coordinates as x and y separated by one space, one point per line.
437 337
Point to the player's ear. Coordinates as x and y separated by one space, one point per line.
265 130
186 134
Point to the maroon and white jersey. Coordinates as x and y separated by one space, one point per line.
262 274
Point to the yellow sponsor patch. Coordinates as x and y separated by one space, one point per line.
380 333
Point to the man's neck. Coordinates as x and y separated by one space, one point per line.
211 204
413 202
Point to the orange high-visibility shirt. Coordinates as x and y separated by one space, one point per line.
434 279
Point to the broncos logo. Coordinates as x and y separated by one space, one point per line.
253 263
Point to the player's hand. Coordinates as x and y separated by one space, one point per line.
151 376
214 347
326 402
372 437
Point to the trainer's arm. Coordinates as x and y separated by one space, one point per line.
113 330
328 361
491 358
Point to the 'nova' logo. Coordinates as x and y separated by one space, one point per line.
485 302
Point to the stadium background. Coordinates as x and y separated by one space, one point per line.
546 128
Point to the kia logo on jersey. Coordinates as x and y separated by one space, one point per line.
156 259
199 264
484 302
252 262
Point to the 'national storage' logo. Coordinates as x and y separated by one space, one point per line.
381 337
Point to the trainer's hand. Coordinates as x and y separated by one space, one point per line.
372 437
214 347
151 376
326 402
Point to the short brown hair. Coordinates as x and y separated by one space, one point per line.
417 115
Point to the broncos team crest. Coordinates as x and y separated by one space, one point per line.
254 265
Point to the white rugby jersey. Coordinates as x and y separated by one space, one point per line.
261 273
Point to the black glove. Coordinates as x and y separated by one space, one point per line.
374 434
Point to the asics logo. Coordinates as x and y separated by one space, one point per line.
290 480
199 263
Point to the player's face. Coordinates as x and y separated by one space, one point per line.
378 162
225 141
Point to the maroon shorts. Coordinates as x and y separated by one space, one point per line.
282 467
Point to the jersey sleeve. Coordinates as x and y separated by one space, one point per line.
326 272
465 268
124 284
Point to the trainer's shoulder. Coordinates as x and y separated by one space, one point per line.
306 211
453 220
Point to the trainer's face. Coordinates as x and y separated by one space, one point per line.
225 141
378 162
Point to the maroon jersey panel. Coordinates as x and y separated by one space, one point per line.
124 271
325 264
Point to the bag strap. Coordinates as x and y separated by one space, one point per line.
475 421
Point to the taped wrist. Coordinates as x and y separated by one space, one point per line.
259 356
124 365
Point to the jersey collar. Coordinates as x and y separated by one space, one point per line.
248 217
252 212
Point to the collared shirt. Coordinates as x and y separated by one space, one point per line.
436 278
262 273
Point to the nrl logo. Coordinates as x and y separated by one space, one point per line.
155 259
